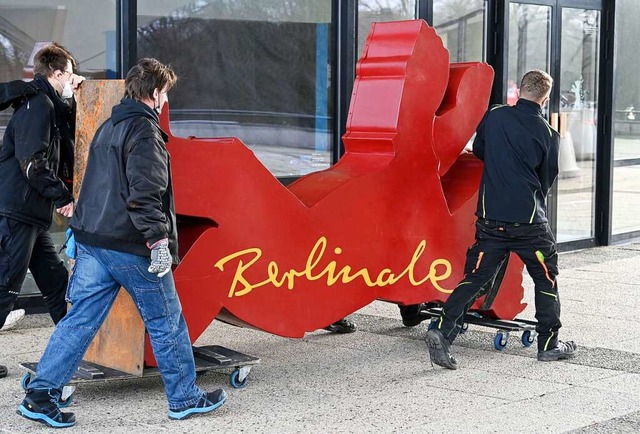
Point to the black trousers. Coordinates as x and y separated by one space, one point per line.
25 246
536 246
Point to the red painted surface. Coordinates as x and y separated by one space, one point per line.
394 215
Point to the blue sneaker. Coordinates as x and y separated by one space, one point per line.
41 405
207 403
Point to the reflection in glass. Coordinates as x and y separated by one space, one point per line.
258 70
370 11
578 86
461 25
529 43
626 121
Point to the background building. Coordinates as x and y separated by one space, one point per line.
278 75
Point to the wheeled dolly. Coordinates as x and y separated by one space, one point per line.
504 327
207 358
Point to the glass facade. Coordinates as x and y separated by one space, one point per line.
626 120
259 70
86 28
461 25
529 43
531 39
578 118
370 11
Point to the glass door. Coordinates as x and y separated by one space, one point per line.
577 84
626 123
529 43
562 37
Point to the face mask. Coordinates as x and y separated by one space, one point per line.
67 92
156 106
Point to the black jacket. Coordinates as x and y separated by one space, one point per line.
520 153
126 199
30 183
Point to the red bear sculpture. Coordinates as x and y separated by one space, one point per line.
391 220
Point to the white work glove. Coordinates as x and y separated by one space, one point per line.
160 257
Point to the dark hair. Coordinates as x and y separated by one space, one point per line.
52 58
147 75
535 84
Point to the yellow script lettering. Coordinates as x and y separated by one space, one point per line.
247 258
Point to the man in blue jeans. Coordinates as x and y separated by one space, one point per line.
125 229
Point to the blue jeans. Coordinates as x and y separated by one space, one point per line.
96 279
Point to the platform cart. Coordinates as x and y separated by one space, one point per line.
504 327
207 358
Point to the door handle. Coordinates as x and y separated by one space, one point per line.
554 121
559 123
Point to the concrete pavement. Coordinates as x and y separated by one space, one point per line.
380 379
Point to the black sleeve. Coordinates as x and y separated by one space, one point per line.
548 170
478 142
148 176
67 127
33 136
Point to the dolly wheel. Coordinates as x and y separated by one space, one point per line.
234 379
500 341
25 380
527 338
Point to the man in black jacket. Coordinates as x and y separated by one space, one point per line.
125 229
520 154
31 187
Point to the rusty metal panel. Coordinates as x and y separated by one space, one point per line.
95 99
119 343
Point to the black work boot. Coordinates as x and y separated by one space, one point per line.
342 326
564 350
41 405
412 315
440 350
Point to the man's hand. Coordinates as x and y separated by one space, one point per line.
75 81
67 210
160 257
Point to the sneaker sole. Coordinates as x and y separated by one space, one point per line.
7 327
341 330
437 353
39 417
192 411
556 358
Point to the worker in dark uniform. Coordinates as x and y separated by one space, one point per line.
520 154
